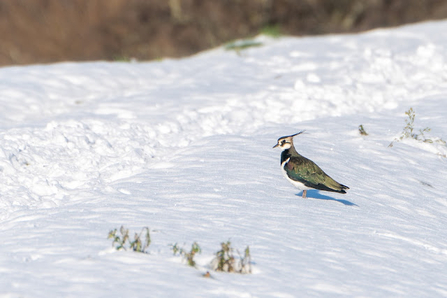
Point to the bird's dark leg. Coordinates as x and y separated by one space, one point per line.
304 194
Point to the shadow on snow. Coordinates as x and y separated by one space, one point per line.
315 194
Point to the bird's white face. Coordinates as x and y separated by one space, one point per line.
284 143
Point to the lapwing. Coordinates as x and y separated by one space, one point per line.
302 172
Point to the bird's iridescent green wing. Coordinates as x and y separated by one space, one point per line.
307 172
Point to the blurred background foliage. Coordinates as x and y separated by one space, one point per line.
45 31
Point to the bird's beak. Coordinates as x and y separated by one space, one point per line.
276 146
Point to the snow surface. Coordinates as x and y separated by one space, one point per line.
185 148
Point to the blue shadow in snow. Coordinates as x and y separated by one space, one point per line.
315 194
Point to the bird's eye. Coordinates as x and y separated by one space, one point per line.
282 143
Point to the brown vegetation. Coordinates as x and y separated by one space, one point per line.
42 31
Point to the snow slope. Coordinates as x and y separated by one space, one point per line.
185 148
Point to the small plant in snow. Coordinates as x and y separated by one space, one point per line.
226 261
123 239
362 130
187 256
409 131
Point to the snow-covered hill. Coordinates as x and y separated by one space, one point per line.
184 147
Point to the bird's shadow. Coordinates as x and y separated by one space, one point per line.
315 194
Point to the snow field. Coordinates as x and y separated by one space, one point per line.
184 147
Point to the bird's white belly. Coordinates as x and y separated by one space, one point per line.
297 184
